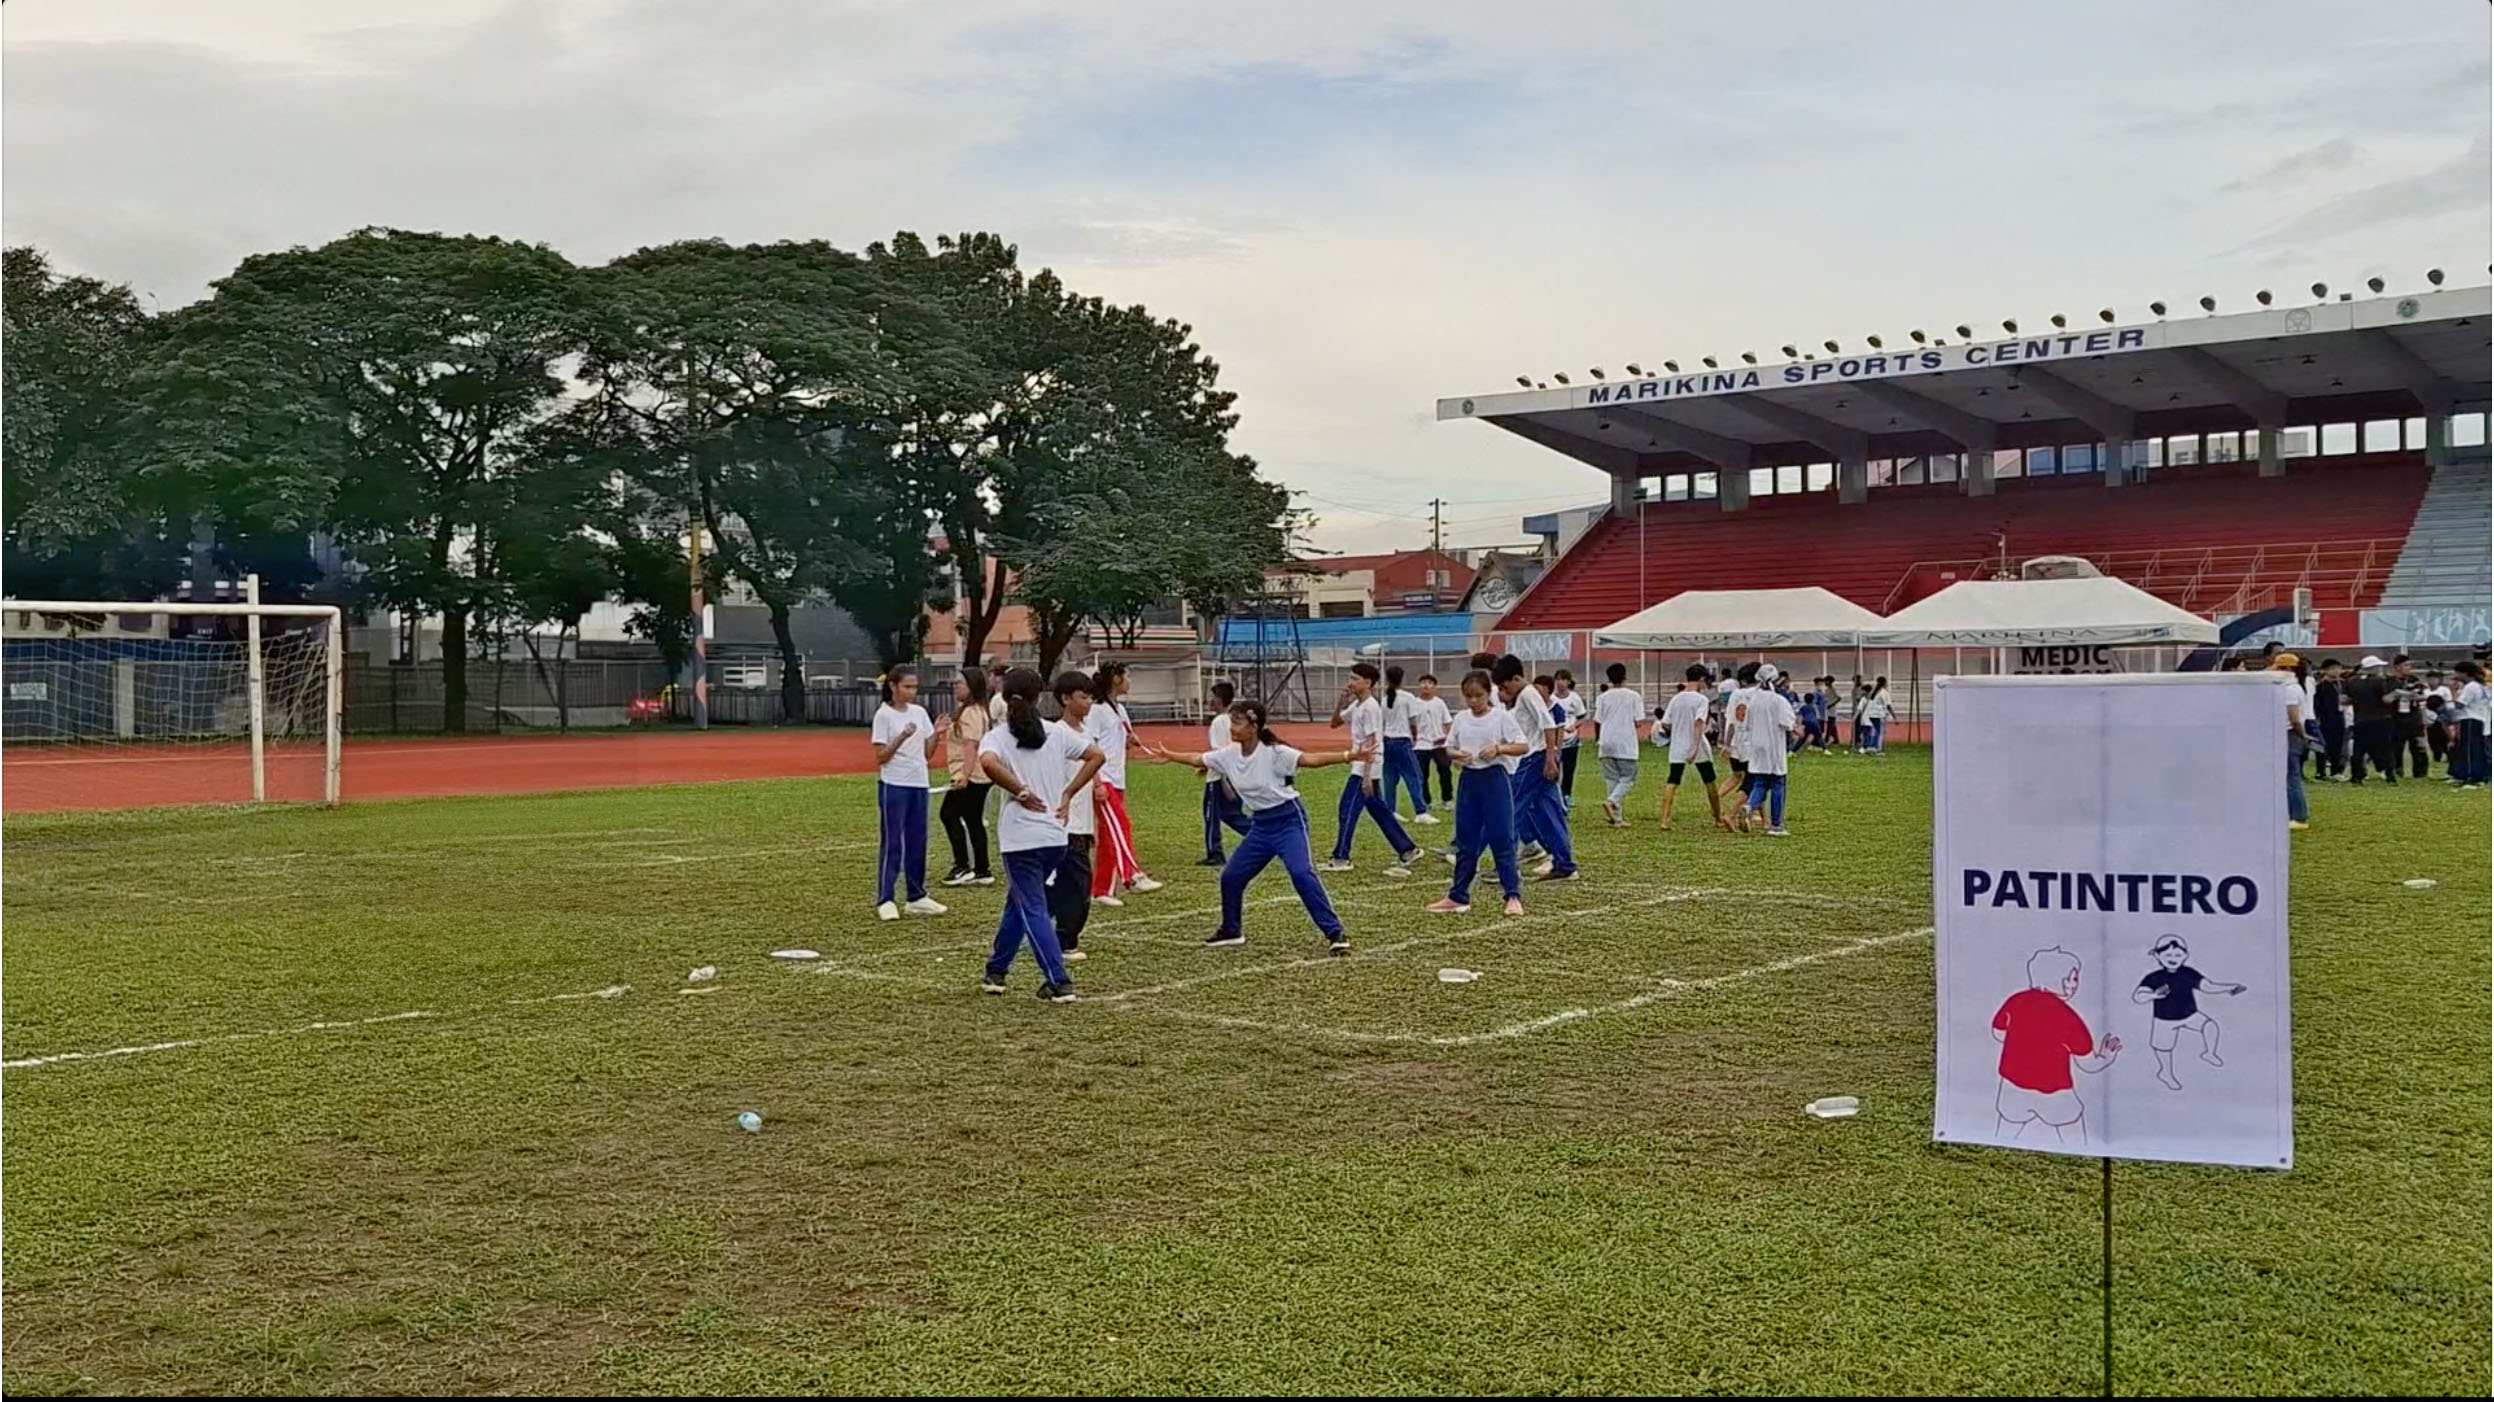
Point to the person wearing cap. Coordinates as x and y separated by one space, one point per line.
2283 666
2374 738
1766 724
2407 714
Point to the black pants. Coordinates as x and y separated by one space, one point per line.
965 822
1567 769
1069 894
2438 739
2331 757
2377 744
2412 740
1446 772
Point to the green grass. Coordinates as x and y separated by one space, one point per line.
1272 1181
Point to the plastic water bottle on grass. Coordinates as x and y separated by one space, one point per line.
749 1122
1834 1107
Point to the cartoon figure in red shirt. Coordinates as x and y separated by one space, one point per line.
2042 1038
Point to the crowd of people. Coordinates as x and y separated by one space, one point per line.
1500 754
2374 720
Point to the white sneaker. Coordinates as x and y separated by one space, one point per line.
927 905
1429 820
887 911
1545 868
1777 832
1336 864
1075 956
1145 883
1106 900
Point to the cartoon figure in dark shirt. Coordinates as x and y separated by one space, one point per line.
2173 986
2042 1038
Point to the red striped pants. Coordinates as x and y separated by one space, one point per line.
1114 863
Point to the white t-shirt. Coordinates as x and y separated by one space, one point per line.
1217 737
1532 716
1262 779
1569 712
1107 727
1766 720
907 768
1429 721
2473 702
1398 714
1686 717
1045 772
996 708
1615 716
1473 734
1366 720
2291 700
1872 707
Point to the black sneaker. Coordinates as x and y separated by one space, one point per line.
1056 993
1224 939
991 983
1338 945
1211 861
1557 876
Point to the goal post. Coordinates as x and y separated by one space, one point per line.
123 704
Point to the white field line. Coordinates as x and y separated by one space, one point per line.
1663 988
616 990
230 752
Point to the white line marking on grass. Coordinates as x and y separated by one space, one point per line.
661 859
24 1062
1665 988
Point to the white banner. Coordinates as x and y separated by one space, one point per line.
2109 868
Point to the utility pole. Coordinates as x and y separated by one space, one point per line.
1437 525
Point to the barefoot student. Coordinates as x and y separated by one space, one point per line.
1486 741
1364 716
904 739
1040 769
1221 806
1116 864
1685 719
1259 767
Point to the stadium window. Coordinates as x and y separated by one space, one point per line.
1821 476
1703 486
1945 467
2225 447
2008 462
2079 457
1676 487
2182 450
1342 608
1762 481
1788 479
2042 462
2150 453
2337 439
1880 472
1910 472
2467 430
2298 443
2413 432
2381 436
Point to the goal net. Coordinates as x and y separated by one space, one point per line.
131 705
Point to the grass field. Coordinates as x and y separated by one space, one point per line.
1252 1170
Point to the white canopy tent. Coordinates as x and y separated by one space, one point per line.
2039 613
1743 620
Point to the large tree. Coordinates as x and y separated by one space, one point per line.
423 368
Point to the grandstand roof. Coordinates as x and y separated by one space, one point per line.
2382 357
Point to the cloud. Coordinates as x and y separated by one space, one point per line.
2462 186
2335 154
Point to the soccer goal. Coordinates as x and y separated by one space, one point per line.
128 705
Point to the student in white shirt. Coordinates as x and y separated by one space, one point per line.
1618 717
904 738
2283 667
1040 769
1365 717
1110 728
1540 816
1402 763
1767 724
1069 890
1870 720
1484 739
1685 717
1221 806
1429 721
1568 709
1259 768
2468 743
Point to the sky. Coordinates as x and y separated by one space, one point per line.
1360 208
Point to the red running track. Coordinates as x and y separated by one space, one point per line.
40 779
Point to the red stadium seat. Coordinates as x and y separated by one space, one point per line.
2216 540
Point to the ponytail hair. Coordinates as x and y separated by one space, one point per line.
1102 686
1022 708
974 681
893 678
1253 713
1394 682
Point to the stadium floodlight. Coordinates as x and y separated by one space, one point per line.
1833 348
2156 308
1559 375
1596 372
2320 292
2060 322
1749 357
1524 380
2374 283
2434 276
1874 343
2262 296
1633 370
1918 337
1965 333
2009 324
2209 305
2106 316
1709 362
1792 353
1672 365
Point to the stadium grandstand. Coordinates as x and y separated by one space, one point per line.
2337 448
